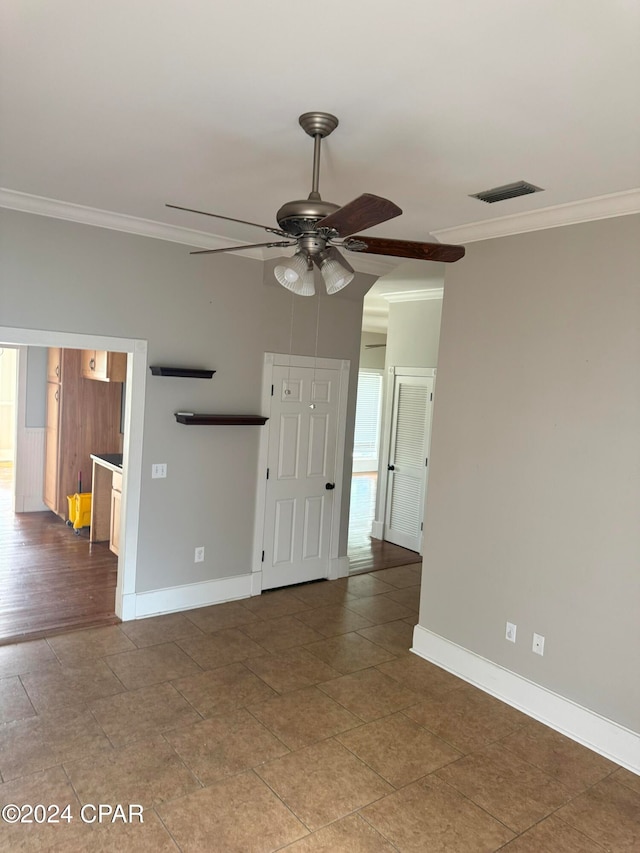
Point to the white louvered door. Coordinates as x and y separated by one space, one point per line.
408 458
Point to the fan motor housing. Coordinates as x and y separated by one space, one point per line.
301 217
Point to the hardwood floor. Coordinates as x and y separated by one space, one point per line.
50 579
367 554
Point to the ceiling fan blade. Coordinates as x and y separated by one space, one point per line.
363 212
244 246
405 249
228 218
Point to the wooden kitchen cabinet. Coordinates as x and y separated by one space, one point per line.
82 418
116 501
104 366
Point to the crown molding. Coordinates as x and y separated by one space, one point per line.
587 210
41 206
413 295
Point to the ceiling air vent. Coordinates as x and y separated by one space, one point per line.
507 191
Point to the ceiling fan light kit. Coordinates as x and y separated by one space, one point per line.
317 228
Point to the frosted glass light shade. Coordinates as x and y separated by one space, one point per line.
335 275
296 275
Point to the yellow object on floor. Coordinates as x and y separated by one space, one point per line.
79 510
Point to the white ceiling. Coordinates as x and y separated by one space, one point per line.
123 105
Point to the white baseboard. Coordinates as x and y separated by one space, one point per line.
603 736
187 597
377 529
338 568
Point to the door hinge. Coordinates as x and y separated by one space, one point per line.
267 473
421 528
272 390
426 461
262 557
430 396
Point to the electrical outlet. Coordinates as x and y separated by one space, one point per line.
538 644
199 554
510 633
158 470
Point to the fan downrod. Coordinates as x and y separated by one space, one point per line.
318 124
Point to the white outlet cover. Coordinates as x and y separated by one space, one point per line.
538 644
158 470
510 633
199 554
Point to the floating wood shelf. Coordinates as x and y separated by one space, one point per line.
194 372
220 420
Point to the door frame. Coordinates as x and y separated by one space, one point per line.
385 443
338 566
133 437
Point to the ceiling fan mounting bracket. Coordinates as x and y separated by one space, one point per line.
318 124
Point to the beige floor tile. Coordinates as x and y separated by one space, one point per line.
230 614
398 749
223 647
56 685
420 676
363 586
132 837
625 777
291 669
238 815
511 790
91 643
369 694
304 717
152 665
401 576
551 835
466 717
14 702
322 593
147 772
159 629
609 813
49 787
408 596
224 689
429 816
571 764
143 712
395 637
225 745
27 746
274 603
349 835
332 620
323 782
349 652
284 632
378 609
24 657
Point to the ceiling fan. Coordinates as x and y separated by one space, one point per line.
317 228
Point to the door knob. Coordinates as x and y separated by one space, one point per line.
391 467
330 486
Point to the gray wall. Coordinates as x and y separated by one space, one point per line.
413 335
372 358
221 312
534 491
36 390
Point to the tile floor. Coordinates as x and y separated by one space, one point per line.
294 721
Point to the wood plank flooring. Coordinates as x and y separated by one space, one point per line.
367 554
50 579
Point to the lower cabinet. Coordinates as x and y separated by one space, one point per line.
116 501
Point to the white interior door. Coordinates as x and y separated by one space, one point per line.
301 485
408 460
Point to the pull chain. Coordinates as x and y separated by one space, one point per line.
312 405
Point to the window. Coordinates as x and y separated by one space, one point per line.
367 430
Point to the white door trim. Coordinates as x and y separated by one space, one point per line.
133 437
385 443
271 360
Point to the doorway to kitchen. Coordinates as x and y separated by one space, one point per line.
51 579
